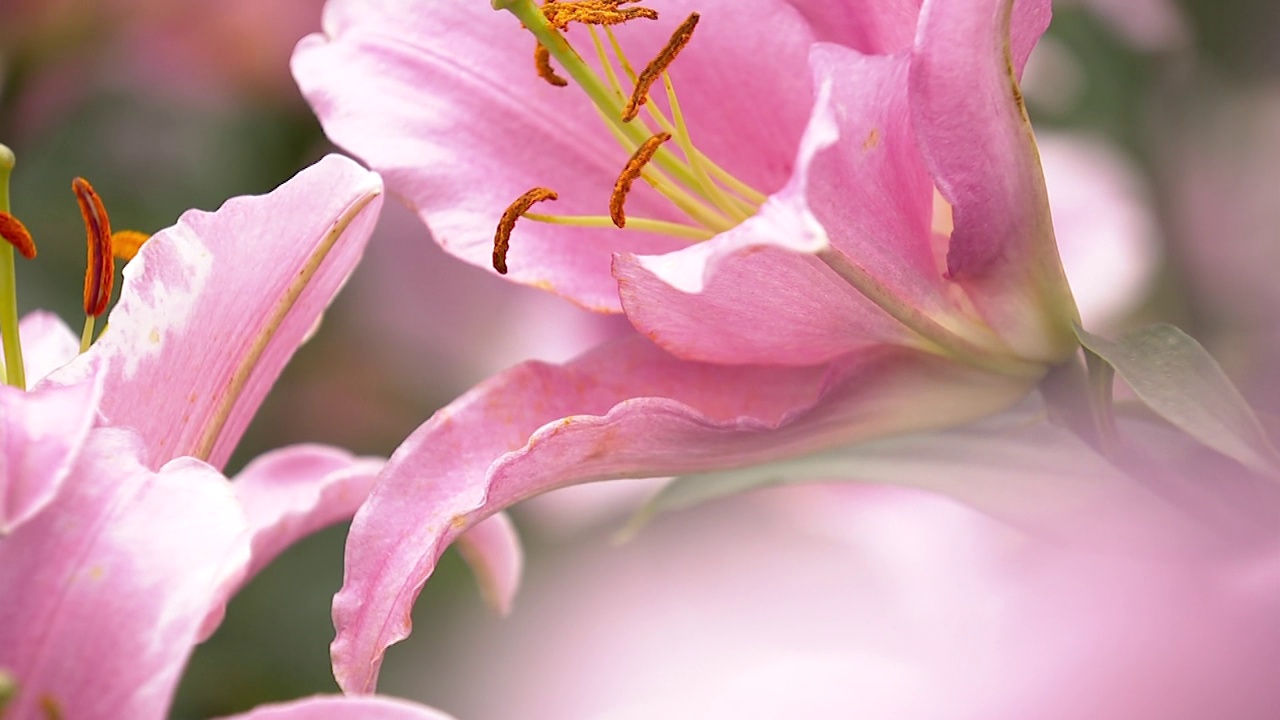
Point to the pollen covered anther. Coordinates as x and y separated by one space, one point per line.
634 167
659 65
125 244
12 230
502 238
593 12
99 273
542 61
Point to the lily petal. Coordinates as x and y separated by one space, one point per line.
442 98
495 555
874 27
623 410
119 543
213 307
47 344
41 435
338 707
860 187
294 491
977 141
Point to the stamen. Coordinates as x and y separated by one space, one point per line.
12 229
593 12
659 65
125 244
542 61
502 238
100 269
634 167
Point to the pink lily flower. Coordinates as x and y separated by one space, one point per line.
120 540
845 236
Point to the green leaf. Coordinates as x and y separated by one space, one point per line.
1178 379
1015 467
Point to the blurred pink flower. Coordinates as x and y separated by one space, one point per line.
119 543
823 314
870 602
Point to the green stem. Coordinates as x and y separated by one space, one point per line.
15 374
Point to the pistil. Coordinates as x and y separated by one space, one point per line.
14 369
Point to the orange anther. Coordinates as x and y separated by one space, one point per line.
502 238
634 167
12 229
126 243
593 12
99 274
542 61
659 65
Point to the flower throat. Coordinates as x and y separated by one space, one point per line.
710 198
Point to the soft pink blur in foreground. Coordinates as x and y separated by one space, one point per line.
874 603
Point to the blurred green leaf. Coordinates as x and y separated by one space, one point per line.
1178 379
1015 467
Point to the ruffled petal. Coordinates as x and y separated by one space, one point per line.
339 707
103 593
289 493
623 410
47 344
977 141
442 98
213 307
495 555
41 435
860 187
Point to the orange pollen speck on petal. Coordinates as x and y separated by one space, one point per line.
634 167
502 238
125 244
659 65
542 61
100 268
12 229
593 12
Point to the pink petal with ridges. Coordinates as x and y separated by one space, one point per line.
874 27
978 144
213 307
860 186
41 434
103 592
623 410
288 494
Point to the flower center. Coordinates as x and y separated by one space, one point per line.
104 247
661 148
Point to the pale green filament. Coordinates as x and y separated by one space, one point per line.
689 232
86 336
701 190
15 370
739 208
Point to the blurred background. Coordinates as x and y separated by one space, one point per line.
1160 127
